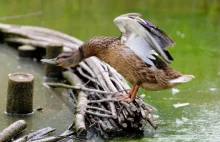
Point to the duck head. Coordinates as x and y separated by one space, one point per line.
65 59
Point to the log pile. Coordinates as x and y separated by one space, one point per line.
43 135
92 85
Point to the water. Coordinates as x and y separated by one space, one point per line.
193 24
53 102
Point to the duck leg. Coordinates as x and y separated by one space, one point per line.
134 93
131 95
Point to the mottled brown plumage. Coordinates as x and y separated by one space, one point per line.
125 61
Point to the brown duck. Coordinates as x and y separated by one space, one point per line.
139 54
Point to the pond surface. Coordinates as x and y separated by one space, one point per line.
193 24
53 102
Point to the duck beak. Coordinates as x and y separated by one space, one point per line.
49 61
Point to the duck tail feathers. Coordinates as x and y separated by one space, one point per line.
182 79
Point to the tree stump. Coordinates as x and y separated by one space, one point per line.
20 94
26 51
53 51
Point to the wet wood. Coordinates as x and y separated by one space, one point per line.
53 51
30 32
35 134
80 87
26 51
20 94
81 104
36 43
104 79
12 130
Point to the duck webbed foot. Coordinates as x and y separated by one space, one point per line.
130 96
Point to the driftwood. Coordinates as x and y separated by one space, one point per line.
41 135
93 85
81 102
35 134
12 130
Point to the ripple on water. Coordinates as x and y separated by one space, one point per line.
205 126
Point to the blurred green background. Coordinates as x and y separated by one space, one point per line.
193 24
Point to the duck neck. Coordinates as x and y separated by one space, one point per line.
74 58
81 54
95 46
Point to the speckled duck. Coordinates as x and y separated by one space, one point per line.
140 54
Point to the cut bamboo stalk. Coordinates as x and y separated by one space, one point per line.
20 94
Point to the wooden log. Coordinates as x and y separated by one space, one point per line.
104 126
52 34
99 114
80 112
113 123
80 87
121 117
108 123
49 139
35 134
104 80
81 104
26 51
99 109
15 41
12 130
63 138
53 71
39 37
143 113
20 94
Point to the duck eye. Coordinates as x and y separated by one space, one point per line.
62 56
65 56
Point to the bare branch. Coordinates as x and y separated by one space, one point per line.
103 100
100 109
77 88
99 114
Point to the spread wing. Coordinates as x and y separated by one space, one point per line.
144 38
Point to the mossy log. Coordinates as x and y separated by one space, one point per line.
53 51
20 94
12 130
